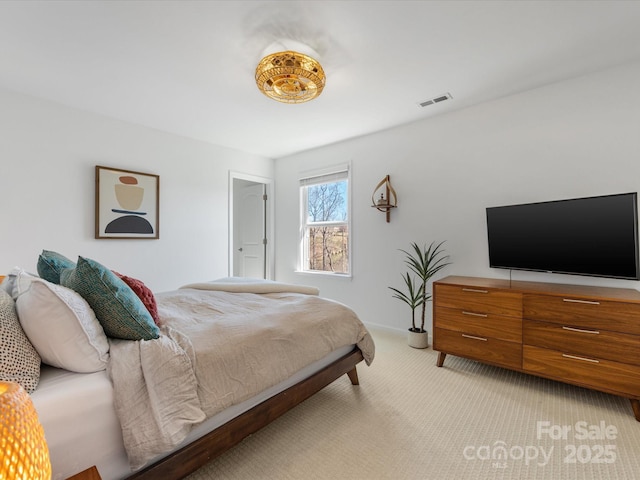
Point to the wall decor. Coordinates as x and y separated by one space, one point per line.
387 198
127 204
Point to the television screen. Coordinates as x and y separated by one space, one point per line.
596 236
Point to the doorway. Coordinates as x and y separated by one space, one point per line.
250 226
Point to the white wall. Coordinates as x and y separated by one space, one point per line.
571 139
575 138
47 157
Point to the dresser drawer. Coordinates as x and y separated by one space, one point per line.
613 377
481 324
603 344
484 349
479 300
583 312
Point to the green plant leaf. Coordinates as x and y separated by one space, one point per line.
424 262
414 296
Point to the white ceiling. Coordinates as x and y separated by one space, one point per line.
187 67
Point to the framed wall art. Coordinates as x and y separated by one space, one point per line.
127 204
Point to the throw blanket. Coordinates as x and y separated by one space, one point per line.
252 285
218 349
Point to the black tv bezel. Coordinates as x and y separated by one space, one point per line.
528 269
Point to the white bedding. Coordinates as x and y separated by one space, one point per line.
82 429
219 349
252 285
80 423
82 413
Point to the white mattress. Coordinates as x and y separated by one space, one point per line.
80 423
82 429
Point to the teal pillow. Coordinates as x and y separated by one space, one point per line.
51 264
118 309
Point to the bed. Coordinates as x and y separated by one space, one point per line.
231 356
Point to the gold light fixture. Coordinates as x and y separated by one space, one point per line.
23 449
290 77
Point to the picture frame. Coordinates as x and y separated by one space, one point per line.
127 204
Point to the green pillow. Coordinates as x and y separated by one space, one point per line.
118 309
51 264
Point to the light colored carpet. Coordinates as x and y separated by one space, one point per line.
410 420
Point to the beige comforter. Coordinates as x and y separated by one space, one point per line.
218 349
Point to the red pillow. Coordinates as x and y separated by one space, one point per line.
144 294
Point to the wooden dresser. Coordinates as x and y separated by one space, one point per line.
583 335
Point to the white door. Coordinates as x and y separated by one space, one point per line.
250 238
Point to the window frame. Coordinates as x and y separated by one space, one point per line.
333 174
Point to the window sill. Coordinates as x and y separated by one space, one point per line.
323 274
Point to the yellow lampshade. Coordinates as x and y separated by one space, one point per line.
23 450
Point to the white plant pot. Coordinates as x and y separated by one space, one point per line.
418 339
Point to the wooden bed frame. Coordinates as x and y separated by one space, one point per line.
193 456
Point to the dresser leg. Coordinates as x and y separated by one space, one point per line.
440 359
635 404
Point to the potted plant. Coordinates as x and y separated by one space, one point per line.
424 263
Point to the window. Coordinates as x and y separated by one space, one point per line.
325 243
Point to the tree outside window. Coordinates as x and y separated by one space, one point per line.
325 246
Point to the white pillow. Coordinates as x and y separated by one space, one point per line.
8 281
61 325
20 281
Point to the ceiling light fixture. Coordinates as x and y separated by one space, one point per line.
290 77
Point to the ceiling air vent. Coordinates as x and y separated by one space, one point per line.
438 99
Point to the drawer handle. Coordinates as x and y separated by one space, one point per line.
474 338
573 300
580 330
474 290
483 315
575 357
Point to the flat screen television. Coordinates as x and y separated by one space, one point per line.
594 236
